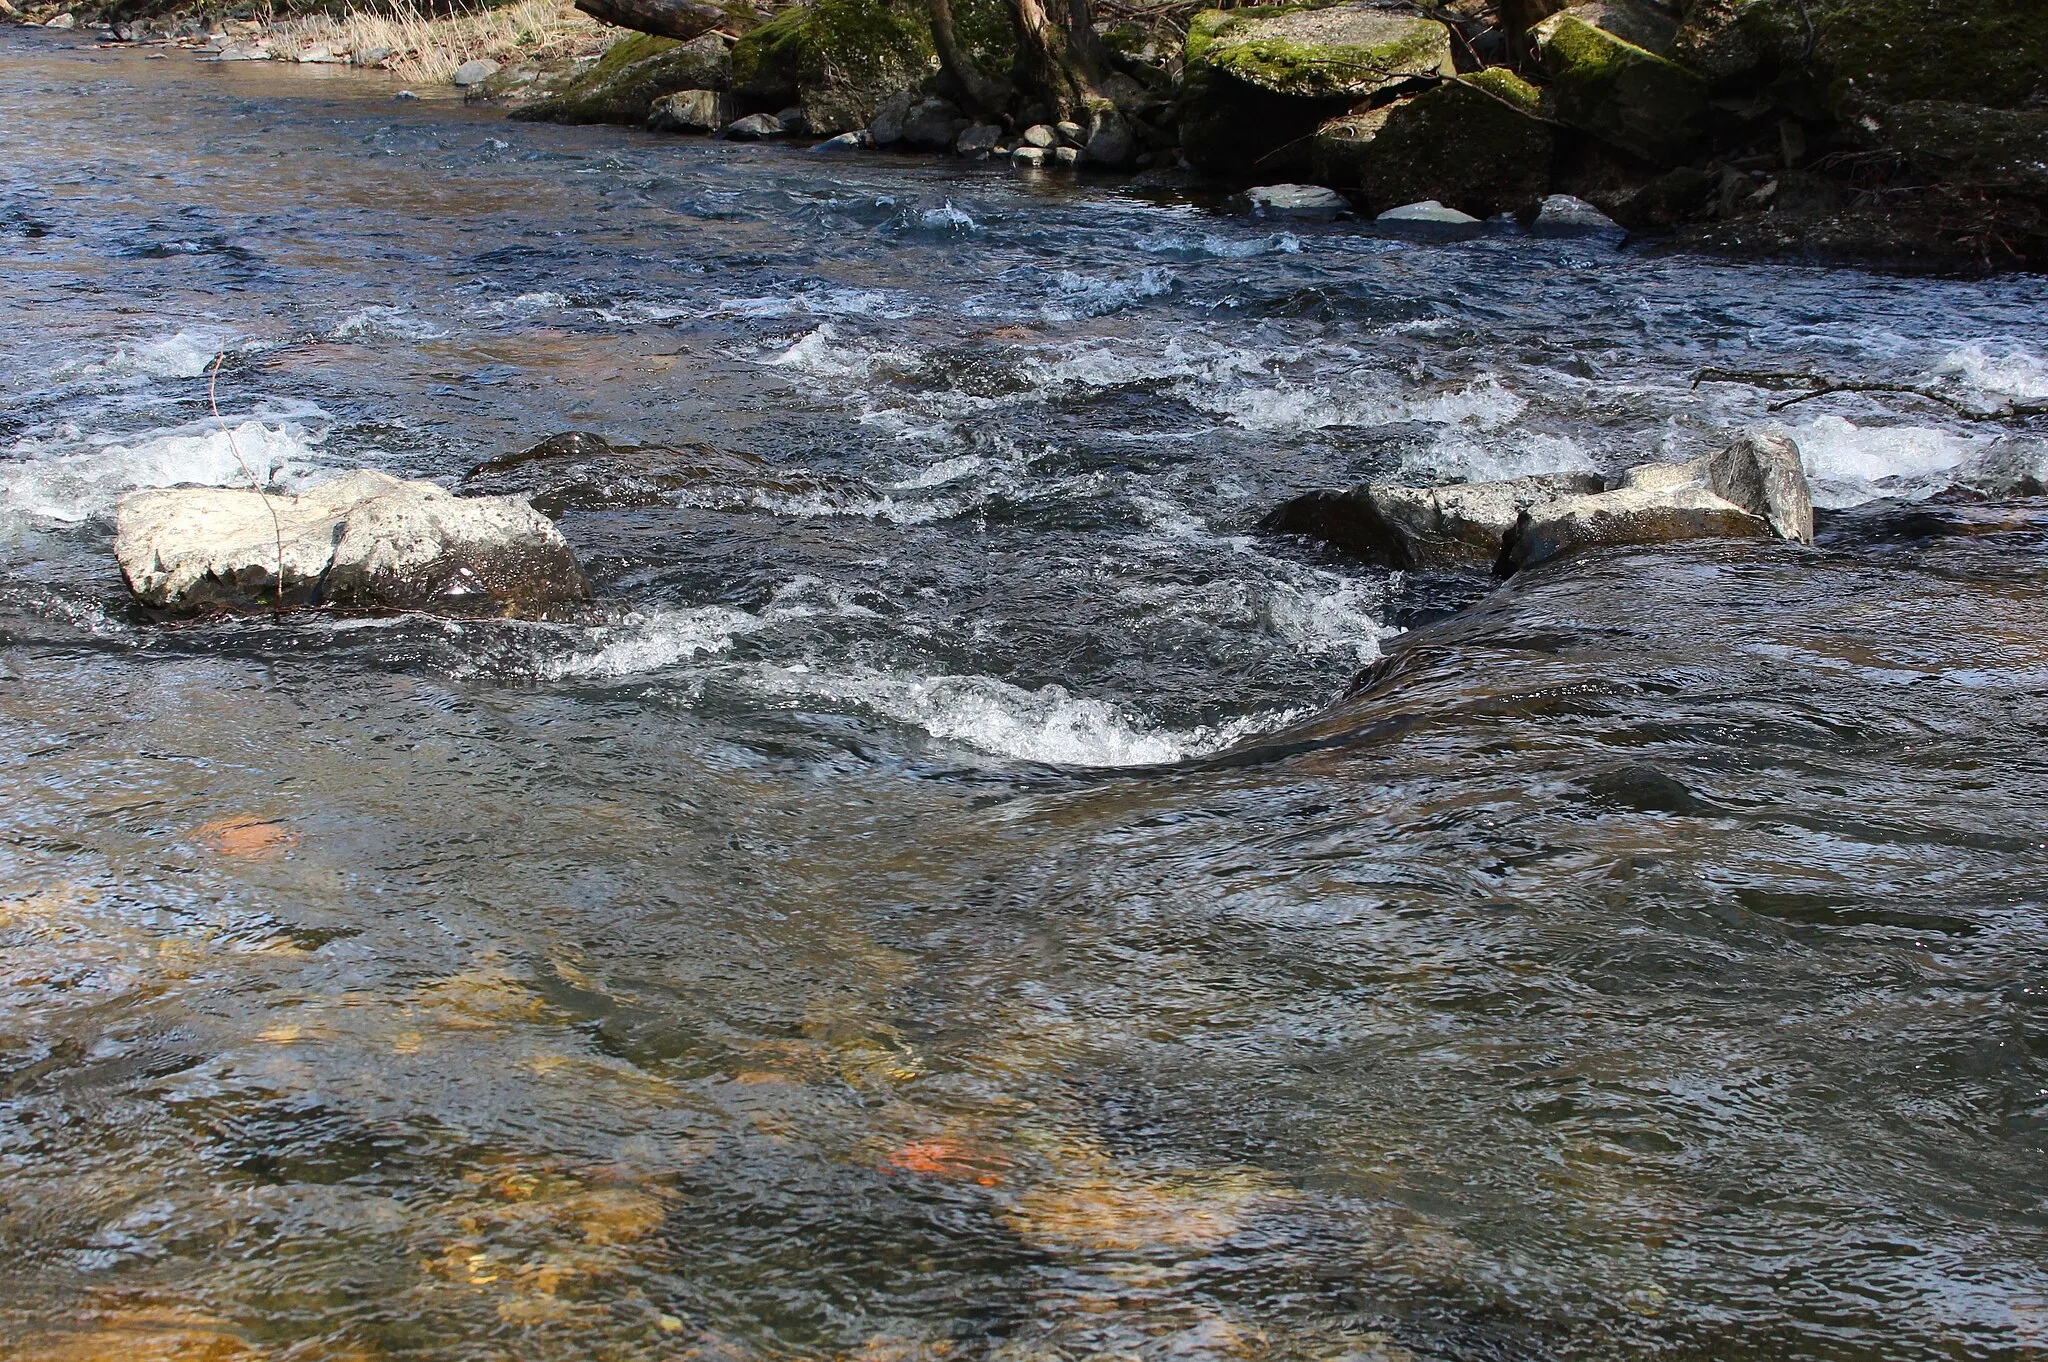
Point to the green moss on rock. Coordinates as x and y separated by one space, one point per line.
839 59
1475 144
1335 51
1624 95
631 75
1257 82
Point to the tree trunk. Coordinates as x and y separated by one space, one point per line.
684 19
983 94
1059 55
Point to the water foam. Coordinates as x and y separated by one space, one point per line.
187 354
651 641
1050 725
1292 409
1851 464
820 301
2008 373
1455 455
56 480
379 320
1218 246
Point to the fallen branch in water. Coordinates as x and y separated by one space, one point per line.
1819 385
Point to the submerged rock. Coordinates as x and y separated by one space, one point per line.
366 541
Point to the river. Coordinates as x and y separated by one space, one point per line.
943 908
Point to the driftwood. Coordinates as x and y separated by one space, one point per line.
1811 385
683 19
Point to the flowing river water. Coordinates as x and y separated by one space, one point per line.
944 908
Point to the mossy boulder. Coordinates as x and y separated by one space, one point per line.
838 59
1477 144
1257 82
1624 95
631 76
1335 52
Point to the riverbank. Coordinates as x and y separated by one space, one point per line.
1779 152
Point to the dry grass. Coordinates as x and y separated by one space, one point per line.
425 50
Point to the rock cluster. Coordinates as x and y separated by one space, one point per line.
1754 488
1728 121
363 542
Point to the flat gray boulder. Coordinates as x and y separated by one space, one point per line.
1427 529
366 541
1753 488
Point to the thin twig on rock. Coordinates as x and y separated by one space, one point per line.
276 526
1819 385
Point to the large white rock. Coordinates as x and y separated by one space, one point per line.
365 541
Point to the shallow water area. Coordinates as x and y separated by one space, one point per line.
944 907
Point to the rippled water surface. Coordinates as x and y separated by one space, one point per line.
943 908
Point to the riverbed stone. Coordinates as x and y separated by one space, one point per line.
932 122
633 73
690 111
1754 487
1041 135
1345 51
364 541
1561 215
753 128
474 72
978 140
1622 94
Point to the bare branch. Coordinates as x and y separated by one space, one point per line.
1819 385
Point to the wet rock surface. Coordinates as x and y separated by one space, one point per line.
1754 487
364 542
